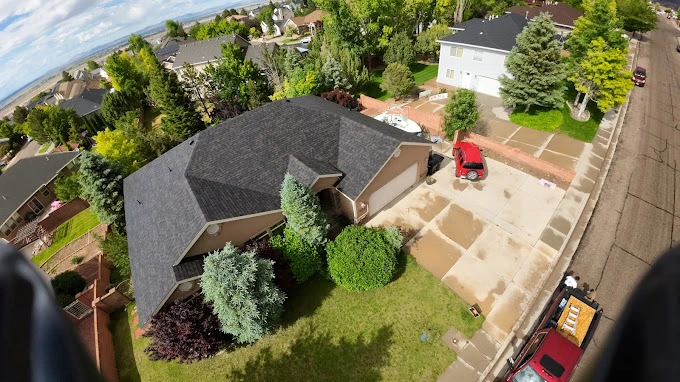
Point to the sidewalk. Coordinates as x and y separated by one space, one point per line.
562 234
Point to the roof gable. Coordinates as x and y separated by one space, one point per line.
235 169
498 33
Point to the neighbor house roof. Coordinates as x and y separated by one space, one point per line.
498 33
87 102
310 18
23 179
561 13
254 52
235 169
72 88
205 50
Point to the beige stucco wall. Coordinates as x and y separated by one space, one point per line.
236 231
346 205
409 154
323 183
177 294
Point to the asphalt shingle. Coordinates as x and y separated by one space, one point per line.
235 169
499 33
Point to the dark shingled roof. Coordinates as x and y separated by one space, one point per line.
499 33
235 169
254 52
205 50
560 13
24 178
87 102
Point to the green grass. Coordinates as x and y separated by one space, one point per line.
290 40
65 233
44 147
152 117
559 121
330 334
421 72
537 118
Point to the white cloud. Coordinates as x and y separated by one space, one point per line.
49 34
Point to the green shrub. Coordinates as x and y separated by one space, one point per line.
76 260
64 300
115 248
68 283
304 258
363 258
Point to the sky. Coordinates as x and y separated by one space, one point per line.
37 36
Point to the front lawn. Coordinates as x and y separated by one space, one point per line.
559 121
328 333
421 72
44 147
290 40
65 233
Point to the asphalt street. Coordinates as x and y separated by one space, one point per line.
638 215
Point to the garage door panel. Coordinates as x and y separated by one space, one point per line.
395 187
488 86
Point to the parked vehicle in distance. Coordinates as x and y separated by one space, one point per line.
640 76
564 332
306 40
469 161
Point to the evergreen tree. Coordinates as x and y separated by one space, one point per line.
333 77
175 29
20 114
600 20
398 80
355 72
292 61
91 65
400 50
36 129
426 42
302 210
241 288
115 105
101 183
602 76
536 67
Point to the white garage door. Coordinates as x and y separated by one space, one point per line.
385 194
488 86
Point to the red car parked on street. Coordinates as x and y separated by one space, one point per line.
469 162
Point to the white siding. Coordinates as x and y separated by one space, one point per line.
492 64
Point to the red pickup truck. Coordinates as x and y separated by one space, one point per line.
564 332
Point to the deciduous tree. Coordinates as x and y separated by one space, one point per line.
124 73
426 42
241 288
462 112
67 188
398 80
66 76
101 182
137 43
117 147
599 21
602 76
62 124
20 114
636 15
92 65
400 50
305 258
36 129
535 64
175 29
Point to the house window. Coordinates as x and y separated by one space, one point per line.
44 191
478 56
456 51
11 223
17 218
450 73
35 206
6 230
70 165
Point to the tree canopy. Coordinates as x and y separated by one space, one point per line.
101 182
302 210
599 21
535 64
241 288
426 42
137 43
175 29
118 147
398 80
91 64
400 50
462 112
637 15
67 188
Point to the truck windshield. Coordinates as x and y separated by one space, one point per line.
528 374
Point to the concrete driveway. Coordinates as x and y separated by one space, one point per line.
481 239
28 150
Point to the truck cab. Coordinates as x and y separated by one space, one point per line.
564 332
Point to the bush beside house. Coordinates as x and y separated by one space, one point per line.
66 285
364 258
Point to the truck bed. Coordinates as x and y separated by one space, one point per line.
585 318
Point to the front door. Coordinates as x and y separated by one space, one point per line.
466 81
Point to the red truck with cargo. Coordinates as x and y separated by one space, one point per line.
562 335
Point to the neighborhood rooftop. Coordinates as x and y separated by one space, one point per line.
87 102
561 14
498 33
235 169
20 181
203 51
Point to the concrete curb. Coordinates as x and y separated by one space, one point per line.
541 299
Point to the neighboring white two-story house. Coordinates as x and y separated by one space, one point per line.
473 57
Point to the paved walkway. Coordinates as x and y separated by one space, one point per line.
481 239
557 149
